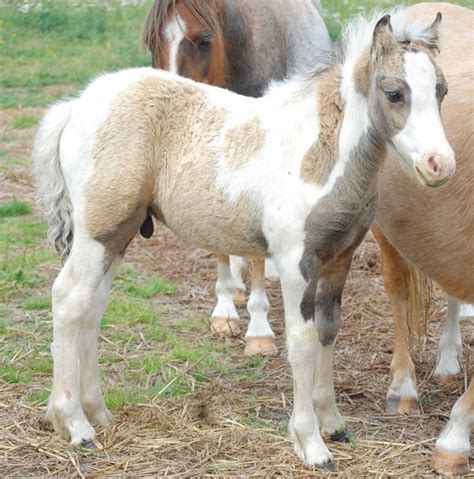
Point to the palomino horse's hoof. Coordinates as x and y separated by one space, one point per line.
449 463
264 345
91 444
239 296
402 405
228 327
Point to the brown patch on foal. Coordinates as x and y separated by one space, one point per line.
319 160
127 157
243 143
155 153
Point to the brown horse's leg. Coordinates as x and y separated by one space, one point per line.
402 397
225 319
259 338
451 454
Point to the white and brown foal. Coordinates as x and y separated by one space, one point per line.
291 175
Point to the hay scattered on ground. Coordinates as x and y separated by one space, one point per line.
228 427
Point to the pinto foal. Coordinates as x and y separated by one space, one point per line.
232 44
301 189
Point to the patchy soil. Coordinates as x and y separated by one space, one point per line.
229 425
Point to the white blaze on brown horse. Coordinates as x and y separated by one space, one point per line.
145 141
433 230
241 45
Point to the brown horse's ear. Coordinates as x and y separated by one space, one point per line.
383 39
431 35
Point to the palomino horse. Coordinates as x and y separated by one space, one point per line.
240 45
290 175
434 231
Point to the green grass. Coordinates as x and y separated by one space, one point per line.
40 397
12 374
55 43
36 303
24 121
15 208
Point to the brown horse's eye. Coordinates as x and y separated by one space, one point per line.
394 96
203 43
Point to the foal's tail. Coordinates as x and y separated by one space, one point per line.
53 194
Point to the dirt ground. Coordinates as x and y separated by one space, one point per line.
234 427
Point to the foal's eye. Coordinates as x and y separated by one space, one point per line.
394 96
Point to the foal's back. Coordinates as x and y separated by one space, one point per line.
434 228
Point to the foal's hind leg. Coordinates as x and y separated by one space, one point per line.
92 400
74 301
259 338
225 319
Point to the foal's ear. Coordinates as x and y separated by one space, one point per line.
431 35
383 39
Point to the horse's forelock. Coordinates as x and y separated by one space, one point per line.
205 12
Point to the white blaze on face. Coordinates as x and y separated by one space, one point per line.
174 33
423 135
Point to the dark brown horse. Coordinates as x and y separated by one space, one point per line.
241 45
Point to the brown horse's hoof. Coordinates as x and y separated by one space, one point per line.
239 296
228 327
262 345
450 463
402 405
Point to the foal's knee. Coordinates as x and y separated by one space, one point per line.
328 311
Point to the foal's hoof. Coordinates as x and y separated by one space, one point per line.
263 345
450 463
402 405
239 296
329 466
342 436
91 444
228 327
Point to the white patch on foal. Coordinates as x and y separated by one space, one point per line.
423 133
174 33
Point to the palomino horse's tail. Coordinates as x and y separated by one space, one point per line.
53 194
419 300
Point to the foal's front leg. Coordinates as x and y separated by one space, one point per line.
327 312
302 338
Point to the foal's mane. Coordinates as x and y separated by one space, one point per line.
357 34
204 11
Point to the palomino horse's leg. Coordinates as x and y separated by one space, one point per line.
302 340
402 397
237 265
74 301
225 319
92 400
450 344
451 454
259 338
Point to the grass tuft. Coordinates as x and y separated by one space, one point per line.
15 208
24 121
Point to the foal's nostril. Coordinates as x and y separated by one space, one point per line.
433 165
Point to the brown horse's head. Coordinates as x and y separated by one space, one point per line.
185 37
